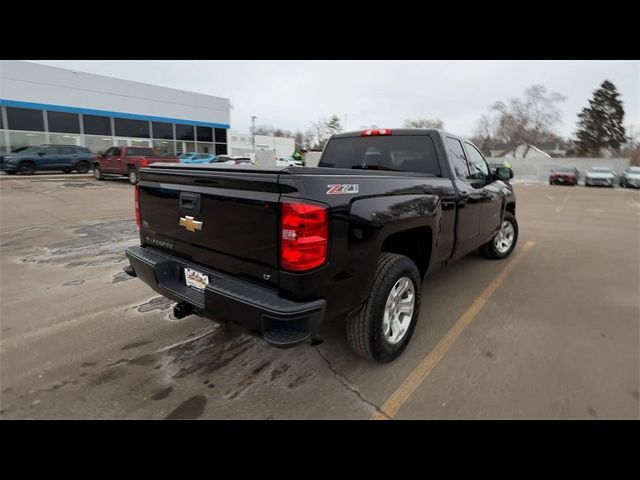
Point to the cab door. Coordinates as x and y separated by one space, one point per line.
491 193
48 158
108 163
67 157
470 199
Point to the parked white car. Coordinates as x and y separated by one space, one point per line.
288 162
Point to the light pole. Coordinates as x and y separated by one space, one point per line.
253 133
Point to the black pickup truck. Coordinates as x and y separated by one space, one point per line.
279 250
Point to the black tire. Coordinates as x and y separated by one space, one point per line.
133 176
11 173
365 329
83 166
27 168
97 172
489 249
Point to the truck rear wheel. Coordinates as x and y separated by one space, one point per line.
502 243
382 329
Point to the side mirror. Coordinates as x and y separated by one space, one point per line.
504 173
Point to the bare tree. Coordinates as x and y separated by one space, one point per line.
321 133
529 120
264 130
308 139
485 133
424 123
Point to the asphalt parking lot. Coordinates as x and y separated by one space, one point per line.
550 333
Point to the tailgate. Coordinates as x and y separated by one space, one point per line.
225 220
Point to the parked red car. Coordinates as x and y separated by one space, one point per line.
564 176
127 161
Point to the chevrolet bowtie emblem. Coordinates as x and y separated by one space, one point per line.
190 224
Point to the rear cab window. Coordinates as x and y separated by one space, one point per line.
398 153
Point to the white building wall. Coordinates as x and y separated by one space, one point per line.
30 82
241 144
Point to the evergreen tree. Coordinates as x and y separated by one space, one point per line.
600 124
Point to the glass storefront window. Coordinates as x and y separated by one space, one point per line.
25 139
221 148
4 146
185 147
25 119
63 122
131 128
205 148
96 125
204 134
221 135
184 132
163 131
65 139
97 144
139 143
165 148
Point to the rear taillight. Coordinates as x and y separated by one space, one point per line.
136 201
303 236
372 132
144 162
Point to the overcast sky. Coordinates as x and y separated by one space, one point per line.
291 94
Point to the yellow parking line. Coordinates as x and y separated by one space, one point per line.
559 207
415 378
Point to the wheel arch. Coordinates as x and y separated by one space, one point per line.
415 243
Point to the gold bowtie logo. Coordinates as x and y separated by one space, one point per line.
190 224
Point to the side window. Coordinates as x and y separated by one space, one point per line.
66 150
117 152
51 151
200 156
477 165
109 152
458 159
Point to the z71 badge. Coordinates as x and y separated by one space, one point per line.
342 188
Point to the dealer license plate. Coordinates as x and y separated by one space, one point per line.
195 279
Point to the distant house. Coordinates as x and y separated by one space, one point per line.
541 150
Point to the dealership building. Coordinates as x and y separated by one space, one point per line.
41 104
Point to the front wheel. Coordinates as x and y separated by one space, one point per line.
133 177
27 168
97 172
383 327
503 242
